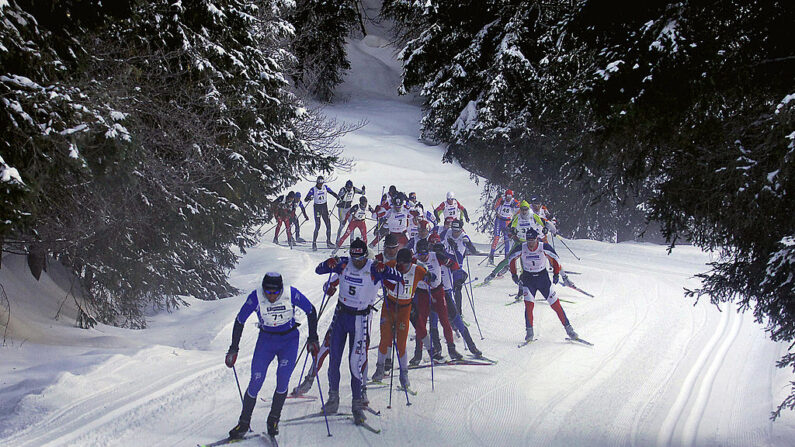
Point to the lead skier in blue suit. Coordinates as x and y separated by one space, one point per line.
278 337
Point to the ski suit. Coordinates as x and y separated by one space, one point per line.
397 221
505 210
319 198
297 203
357 293
344 206
454 210
459 247
535 277
357 216
278 336
283 211
521 223
430 295
396 311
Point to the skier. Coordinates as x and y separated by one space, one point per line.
534 256
357 215
395 314
283 210
453 314
317 193
423 231
543 217
397 220
458 243
430 295
297 203
345 202
358 286
451 208
506 208
391 247
523 221
278 337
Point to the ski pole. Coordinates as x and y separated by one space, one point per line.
471 295
400 368
320 312
320 391
430 342
567 246
238 384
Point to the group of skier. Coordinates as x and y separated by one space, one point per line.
420 275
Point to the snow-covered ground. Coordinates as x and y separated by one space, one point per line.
662 371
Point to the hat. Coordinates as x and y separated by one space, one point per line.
531 233
320 179
391 240
456 225
450 195
404 256
422 247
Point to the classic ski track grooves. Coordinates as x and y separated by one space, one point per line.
689 391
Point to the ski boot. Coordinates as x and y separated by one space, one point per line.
305 386
436 356
243 422
314 246
570 332
416 359
333 402
378 375
275 239
528 333
491 259
388 364
470 344
330 245
404 378
299 239
276 413
357 408
365 399
454 355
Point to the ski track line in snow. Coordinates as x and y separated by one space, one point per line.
702 397
666 433
82 420
567 399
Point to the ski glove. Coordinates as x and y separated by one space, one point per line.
430 277
231 357
555 278
332 262
515 278
452 243
330 289
380 267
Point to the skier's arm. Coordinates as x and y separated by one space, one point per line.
330 265
470 246
303 210
332 192
358 191
298 299
237 329
437 212
381 271
310 194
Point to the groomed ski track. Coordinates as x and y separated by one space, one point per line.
662 371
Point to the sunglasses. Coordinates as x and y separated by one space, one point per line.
358 257
272 292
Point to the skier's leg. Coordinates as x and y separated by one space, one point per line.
327 222
336 347
287 354
317 211
357 354
440 306
433 329
345 235
264 353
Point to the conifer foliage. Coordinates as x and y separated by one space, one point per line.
144 140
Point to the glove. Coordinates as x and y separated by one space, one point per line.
312 346
305 216
332 262
363 190
330 289
555 278
231 357
380 267
430 277
515 278
452 243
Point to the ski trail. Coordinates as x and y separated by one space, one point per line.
697 411
668 427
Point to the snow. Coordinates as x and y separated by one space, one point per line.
9 174
663 371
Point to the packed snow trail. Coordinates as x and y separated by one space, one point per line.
661 371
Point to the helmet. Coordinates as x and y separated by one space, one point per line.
531 233
363 201
320 180
404 256
349 184
450 195
358 248
456 225
272 282
297 195
413 196
524 204
391 240
434 238
509 192
423 247
392 189
291 194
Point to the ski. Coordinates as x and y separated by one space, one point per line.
526 342
375 412
579 340
569 272
227 441
515 301
366 426
580 290
467 362
484 359
318 414
296 398
270 440
408 390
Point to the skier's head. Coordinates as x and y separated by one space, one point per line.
291 195
423 248
434 238
363 202
404 260
398 200
392 190
531 234
358 253
297 195
438 248
349 184
423 229
508 194
535 203
524 208
413 197
320 181
450 197
391 246
456 227
448 220
273 286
